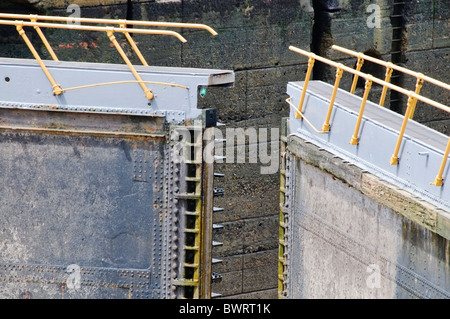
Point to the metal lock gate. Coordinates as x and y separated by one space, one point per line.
97 196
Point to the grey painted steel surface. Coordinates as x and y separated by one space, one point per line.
94 202
24 84
420 154
347 229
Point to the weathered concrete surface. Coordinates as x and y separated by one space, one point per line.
352 235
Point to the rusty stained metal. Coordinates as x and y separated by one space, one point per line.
92 123
87 200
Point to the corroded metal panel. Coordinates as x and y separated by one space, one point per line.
100 196
84 200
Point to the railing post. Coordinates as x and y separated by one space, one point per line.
359 64
112 38
368 85
305 85
56 88
419 84
387 78
438 181
326 124
413 97
133 45
44 39
394 157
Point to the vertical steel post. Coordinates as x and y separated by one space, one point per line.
45 41
326 124
56 88
387 78
305 85
116 44
359 64
394 158
207 221
368 85
438 181
134 46
419 84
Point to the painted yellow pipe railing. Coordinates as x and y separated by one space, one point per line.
122 23
413 97
75 24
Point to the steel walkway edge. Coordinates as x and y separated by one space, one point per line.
420 154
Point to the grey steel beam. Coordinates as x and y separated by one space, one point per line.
101 87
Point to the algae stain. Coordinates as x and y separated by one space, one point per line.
248 9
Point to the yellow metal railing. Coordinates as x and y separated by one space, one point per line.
413 97
122 23
420 78
75 24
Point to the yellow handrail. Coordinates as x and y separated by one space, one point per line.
339 72
289 101
75 25
359 64
45 41
305 85
121 22
109 21
376 80
394 66
389 67
92 28
368 85
57 90
413 97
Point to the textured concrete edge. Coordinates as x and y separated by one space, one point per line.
400 201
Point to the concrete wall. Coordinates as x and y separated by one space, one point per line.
253 40
351 235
